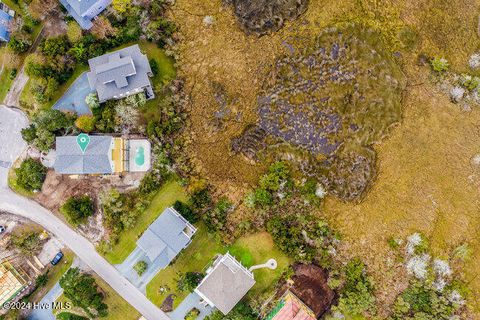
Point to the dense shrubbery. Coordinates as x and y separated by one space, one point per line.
274 186
186 211
69 316
356 295
242 311
27 242
47 124
140 267
216 218
304 238
82 290
189 281
78 209
31 174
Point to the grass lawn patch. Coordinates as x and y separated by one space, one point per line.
118 308
5 83
165 197
194 258
257 249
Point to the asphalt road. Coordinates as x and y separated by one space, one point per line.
11 147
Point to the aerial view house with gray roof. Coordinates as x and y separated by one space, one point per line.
101 155
121 73
169 234
6 18
84 11
225 284
97 158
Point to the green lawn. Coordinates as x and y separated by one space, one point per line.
118 308
257 249
250 250
194 258
167 195
5 83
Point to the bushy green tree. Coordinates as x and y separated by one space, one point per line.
78 209
216 218
28 242
18 45
140 267
82 290
31 174
185 210
356 296
189 281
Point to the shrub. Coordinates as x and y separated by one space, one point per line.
31 174
82 290
192 314
78 209
85 123
470 83
18 45
41 280
154 66
69 316
189 281
201 200
439 65
27 242
241 311
92 100
140 267
216 218
185 210
13 74
356 296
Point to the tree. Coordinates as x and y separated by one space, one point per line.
82 290
102 28
189 281
154 66
18 45
69 316
28 242
74 32
92 100
56 46
121 6
140 267
31 174
186 212
41 280
85 123
78 209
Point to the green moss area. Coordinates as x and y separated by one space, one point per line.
250 250
335 98
118 308
166 196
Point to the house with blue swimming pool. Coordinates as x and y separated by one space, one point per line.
84 11
101 155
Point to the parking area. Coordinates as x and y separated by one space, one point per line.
73 99
193 300
12 121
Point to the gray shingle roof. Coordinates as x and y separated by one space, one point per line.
71 160
119 73
226 284
164 237
81 6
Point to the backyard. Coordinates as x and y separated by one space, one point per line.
165 197
250 250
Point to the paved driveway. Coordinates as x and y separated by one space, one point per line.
48 299
190 302
74 99
16 204
12 121
126 269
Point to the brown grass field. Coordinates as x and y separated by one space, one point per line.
425 181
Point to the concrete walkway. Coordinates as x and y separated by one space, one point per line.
16 204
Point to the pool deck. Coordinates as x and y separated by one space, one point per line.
73 100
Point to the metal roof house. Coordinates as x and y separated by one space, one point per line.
169 234
225 284
11 282
290 307
84 11
96 159
121 73
6 17
101 155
